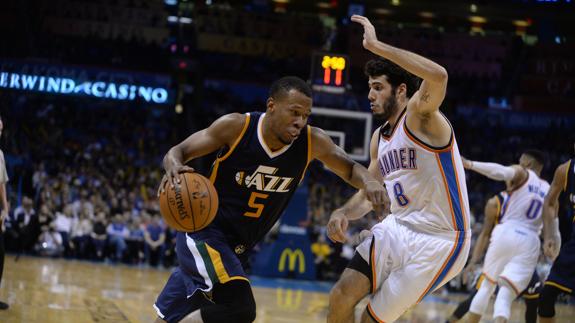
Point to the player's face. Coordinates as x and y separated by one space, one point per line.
383 101
1 127
525 161
289 115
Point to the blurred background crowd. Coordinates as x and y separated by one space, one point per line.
84 171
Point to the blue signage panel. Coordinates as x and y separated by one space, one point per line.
86 81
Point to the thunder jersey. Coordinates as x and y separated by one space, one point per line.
524 205
426 185
567 204
254 184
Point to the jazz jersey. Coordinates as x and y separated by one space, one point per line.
254 184
426 185
523 206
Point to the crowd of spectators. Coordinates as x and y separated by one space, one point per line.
85 180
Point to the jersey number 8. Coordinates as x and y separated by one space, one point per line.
399 195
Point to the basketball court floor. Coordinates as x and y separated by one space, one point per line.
54 290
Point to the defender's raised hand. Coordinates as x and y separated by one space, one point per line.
369 36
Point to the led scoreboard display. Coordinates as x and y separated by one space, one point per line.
329 72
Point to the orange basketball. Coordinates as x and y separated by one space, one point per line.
192 206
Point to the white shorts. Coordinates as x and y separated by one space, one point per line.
512 256
406 265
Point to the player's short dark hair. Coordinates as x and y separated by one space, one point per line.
285 84
395 74
536 154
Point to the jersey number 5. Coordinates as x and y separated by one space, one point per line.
258 207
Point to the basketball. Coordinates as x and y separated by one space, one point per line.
191 206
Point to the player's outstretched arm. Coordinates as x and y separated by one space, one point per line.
492 208
551 235
358 205
512 175
423 116
222 132
432 90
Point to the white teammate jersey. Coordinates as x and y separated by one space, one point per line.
426 185
523 206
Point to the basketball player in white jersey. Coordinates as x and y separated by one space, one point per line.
514 246
424 241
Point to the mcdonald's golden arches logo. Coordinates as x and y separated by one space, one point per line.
291 257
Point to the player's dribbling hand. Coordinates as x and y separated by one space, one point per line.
337 226
173 176
369 36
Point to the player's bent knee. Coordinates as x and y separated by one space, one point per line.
547 300
248 313
244 309
337 296
349 290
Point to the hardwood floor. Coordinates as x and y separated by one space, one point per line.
54 290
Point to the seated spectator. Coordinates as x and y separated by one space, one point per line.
99 235
63 225
169 248
117 233
321 251
135 241
45 218
49 243
154 241
80 234
25 226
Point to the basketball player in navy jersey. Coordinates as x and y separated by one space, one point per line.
561 279
263 157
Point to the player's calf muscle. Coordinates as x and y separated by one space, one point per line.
345 295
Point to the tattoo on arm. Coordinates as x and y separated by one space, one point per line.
425 97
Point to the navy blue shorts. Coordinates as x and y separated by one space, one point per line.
562 273
534 288
206 259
